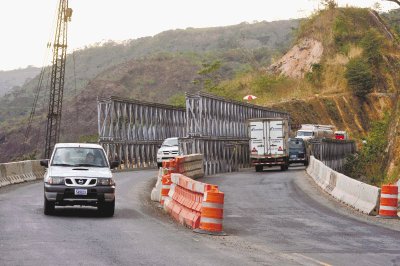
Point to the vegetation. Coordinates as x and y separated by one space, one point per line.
89 138
357 59
315 75
368 165
392 18
178 100
360 77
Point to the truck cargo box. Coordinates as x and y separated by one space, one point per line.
269 142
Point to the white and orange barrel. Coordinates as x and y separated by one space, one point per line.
212 210
165 187
389 199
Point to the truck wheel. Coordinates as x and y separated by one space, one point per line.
284 167
259 168
106 209
48 207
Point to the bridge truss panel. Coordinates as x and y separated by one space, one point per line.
220 154
333 153
132 130
212 116
131 120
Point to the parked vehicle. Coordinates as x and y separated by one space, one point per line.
269 142
79 174
298 152
311 131
341 135
168 150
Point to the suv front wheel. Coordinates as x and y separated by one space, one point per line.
107 208
49 206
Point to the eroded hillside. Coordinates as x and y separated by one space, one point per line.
343 70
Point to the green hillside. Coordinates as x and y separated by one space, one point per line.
241 44
11 79
353 84
159 68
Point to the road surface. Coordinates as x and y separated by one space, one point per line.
270 219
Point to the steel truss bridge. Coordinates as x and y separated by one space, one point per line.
132 130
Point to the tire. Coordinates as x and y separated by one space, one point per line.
284 167
306 163
106 209
159 165
48 207
259 168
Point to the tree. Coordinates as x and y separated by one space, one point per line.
209 75
329 4
394 1
359 77
371 44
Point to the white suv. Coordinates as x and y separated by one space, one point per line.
79 174
168 150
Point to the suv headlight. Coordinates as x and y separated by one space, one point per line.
159 153
101 181
56 180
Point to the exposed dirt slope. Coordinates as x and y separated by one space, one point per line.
299 60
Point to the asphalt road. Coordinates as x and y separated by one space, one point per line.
272 218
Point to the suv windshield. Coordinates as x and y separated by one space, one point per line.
78 156
170 142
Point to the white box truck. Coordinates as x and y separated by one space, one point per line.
269 142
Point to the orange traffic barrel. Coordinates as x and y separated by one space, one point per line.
389 201
212 213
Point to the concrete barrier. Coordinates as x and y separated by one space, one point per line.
4 181
156 191
190 165
18 172
360 196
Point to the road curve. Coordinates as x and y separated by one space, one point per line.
287 213
269 217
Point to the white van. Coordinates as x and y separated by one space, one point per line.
168 150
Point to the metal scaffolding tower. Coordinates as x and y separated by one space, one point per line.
57 77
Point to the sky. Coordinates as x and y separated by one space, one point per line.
26 26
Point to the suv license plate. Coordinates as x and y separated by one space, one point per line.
81 191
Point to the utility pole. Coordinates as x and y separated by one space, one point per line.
57 77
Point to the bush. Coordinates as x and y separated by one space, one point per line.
372 43
359 77
178 100
368 164
315 76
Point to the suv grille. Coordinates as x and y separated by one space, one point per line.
80 182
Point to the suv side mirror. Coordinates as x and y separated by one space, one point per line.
44 163
114 164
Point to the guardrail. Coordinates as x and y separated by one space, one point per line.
360 196
18 172
194 204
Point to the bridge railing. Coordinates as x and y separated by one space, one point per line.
333 153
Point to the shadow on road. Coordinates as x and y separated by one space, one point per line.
92 212
81 212
293 167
